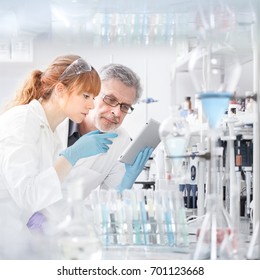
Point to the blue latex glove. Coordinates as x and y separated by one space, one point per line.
36 221
89 144
133 171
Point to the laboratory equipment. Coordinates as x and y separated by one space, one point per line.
141 217
216 238
160 166
175 136
233 199
254 246
217 228
148 182
215 71
247 166
194 171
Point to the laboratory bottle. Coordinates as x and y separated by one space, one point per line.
76 236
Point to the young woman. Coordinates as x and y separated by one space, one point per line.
32 166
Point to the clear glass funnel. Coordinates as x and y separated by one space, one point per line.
214 65
215 71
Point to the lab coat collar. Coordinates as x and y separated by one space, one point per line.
37 108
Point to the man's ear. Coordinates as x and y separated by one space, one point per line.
59 89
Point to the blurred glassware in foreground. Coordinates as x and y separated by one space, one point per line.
76 238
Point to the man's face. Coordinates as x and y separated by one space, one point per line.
105 117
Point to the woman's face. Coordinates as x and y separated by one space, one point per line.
77 105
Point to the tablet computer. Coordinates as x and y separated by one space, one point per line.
147 137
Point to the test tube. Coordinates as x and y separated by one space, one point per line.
168 218
127 199
159 217
113 215
136 221
151 216
104 216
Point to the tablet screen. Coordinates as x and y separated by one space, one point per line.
147 137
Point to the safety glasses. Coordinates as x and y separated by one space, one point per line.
77 67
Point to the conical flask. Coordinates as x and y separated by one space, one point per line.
216 238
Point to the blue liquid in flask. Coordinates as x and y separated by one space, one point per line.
214 105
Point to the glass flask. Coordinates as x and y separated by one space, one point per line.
216 238
175 135
76 237
215 20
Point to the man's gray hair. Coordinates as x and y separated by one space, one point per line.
124 74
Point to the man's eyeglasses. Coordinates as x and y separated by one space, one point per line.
111 101
77 67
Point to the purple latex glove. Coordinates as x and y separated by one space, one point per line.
36 221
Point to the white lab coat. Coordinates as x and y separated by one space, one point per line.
103 170
28 148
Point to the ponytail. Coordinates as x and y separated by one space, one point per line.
30 90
